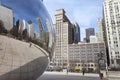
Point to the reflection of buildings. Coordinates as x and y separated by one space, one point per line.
30 29
6 15
37 35
112 25
50 34
21 62
20 26
85 55
42 32
25 29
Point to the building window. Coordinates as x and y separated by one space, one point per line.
116 45
91 65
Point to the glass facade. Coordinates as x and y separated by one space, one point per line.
26 39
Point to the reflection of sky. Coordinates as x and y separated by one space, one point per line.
28 10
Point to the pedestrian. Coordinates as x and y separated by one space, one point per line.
106 73
30 44
83 72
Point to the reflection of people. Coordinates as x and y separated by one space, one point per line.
30 44
106 72
83 72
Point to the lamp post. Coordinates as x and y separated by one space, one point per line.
113 58
101 63
98 62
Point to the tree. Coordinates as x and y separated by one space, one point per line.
1 26
14 31
24 34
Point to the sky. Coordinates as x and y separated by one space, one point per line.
84 12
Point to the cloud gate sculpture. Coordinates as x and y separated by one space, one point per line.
26 39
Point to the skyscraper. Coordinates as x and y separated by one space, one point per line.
89 32
112 23
76 33
100 30
63 28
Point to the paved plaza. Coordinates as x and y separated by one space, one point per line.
69 76
18 61
74 76
114 75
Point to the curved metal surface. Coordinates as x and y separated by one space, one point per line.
26 39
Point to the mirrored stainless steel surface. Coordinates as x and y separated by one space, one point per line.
26 39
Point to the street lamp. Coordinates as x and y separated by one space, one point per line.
101 60
98 62
113 61
113 58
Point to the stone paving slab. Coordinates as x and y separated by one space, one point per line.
64 76
18 61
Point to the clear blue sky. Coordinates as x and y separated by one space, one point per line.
85 12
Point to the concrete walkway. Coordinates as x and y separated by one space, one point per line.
111 75
69 76
114 74
18 61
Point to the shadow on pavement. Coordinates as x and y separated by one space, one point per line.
29 71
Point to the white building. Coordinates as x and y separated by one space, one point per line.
63 37
100 30
112 23
93 39
6 15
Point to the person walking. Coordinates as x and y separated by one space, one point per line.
83 72
30 44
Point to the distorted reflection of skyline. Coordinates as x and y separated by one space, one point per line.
33 18
29 11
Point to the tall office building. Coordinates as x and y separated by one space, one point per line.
89 32
112 23
101 35
63 28
76 33
100 30
6 16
